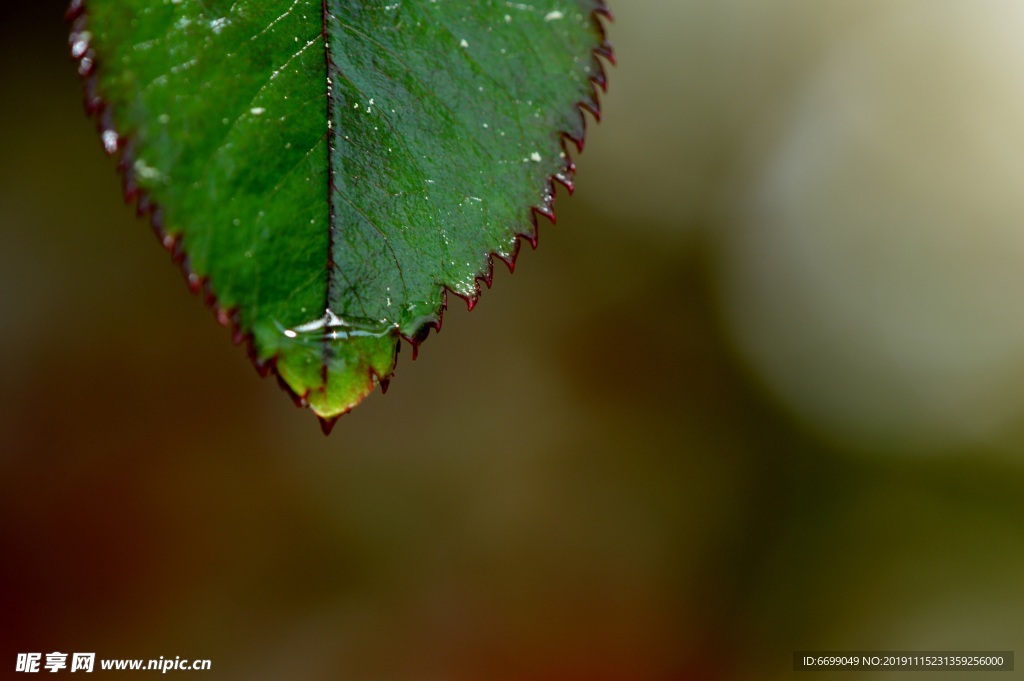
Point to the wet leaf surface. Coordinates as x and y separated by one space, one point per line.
326 171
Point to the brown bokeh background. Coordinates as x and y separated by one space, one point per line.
759 390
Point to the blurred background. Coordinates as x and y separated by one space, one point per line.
760 390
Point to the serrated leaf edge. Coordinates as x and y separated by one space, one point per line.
123 151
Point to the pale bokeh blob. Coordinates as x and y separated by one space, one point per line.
873 272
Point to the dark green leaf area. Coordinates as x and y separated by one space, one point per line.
446 129
221 112
331 167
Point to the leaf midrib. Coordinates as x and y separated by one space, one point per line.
328 292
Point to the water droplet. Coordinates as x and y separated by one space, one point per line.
110 140
147 172
80 44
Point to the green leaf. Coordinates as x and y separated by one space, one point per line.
326 170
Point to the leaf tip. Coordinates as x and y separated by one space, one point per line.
327 424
